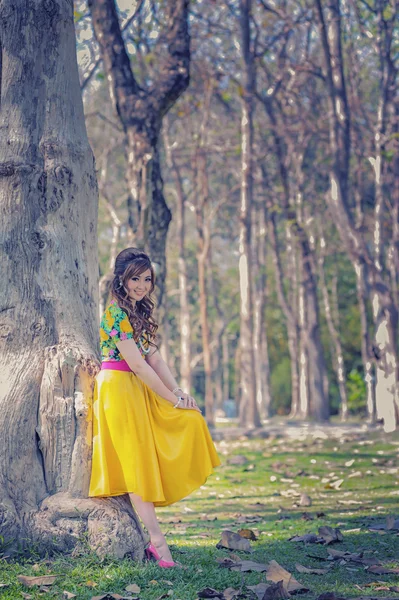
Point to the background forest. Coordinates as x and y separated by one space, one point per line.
280 170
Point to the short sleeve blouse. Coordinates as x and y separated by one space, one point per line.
114 327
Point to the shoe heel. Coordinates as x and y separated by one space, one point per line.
151 553
166 564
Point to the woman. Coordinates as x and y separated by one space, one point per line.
150 439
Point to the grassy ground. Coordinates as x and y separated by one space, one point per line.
260 495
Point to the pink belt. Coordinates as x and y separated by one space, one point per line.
116 365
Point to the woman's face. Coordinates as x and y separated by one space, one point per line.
139 285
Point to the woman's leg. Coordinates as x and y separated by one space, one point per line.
146 512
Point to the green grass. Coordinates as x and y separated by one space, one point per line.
249 491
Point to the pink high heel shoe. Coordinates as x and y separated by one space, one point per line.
152 554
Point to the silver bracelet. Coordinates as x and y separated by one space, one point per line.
177 389
178 402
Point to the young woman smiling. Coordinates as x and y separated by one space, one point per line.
150 439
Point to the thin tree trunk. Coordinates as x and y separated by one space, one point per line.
237 376
226 369
338 360
49 205
304 375
360 269
249 415
362 298
313 395
217 378
261 354
185 322
288 310
106 279
140 112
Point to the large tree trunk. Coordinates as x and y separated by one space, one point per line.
385 312
249 415
140 112
48 309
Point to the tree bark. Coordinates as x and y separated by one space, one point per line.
203 259
140 112
289 311
185 322
48 309
226 366
338 356
249 415
261 352
385 312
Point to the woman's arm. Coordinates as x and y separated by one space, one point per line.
160 367
139 366
136 362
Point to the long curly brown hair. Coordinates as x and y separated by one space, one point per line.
129 263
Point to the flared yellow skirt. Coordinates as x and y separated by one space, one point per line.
141 444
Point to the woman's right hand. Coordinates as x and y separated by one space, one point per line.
189 403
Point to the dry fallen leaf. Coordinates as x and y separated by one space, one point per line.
237 459
230 593
233 541
330 535
305 500
307 516
41 580
259 589
110 596
308 538
302 569
335 485
227 562
329 596
133 587
249 565
68 595
248 519
276 573
276 591
391 523
248 534
209 593
332 596
343 554
381 570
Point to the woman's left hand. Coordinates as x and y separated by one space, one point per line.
190 401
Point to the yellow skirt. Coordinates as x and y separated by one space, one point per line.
141 444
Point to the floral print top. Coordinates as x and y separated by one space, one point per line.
114 327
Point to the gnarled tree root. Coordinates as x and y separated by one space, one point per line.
107 526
